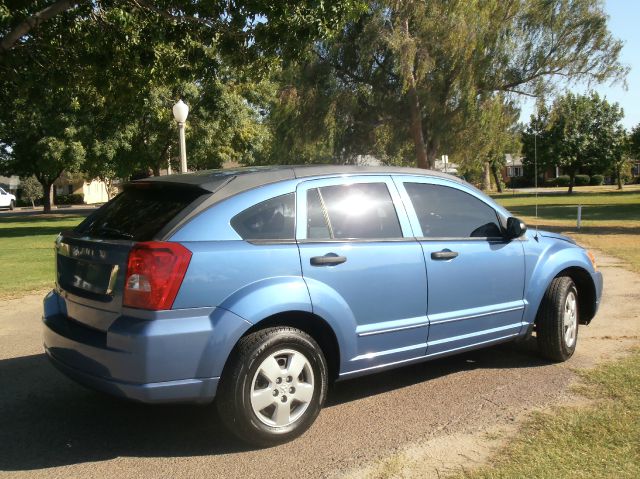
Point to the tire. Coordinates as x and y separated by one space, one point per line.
259 399
558 319
12 205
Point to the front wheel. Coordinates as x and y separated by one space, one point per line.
273 387
12 205
557 321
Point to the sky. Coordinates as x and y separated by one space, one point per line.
624 24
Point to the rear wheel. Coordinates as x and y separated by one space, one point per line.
273 387
12 205
557 321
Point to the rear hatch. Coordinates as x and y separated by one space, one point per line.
91 260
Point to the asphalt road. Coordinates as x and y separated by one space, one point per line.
51 427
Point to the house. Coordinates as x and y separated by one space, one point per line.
91 191
10 183
512 168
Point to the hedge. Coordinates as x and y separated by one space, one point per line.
596 180
69 200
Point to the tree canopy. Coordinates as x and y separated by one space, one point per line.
580 133
89 86
415 75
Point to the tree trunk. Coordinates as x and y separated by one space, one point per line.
422 159
486 177
415 111
619 176
572 181
496 177
47 197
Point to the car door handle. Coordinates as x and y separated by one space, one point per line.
444 254
329 259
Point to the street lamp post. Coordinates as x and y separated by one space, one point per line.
180 112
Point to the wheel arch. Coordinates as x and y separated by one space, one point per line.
586 292
311 324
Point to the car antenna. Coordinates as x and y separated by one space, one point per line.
535 168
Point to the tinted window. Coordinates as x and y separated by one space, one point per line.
271 219
360 211
450 213
139 212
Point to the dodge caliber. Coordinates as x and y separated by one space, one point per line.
256 288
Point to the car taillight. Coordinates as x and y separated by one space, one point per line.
155 271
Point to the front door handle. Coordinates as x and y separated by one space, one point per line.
329 259
444 254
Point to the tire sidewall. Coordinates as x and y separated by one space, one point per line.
567 351
247 419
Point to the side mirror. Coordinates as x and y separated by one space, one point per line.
515 228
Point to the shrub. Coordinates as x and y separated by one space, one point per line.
520 182
582 180
69 200
563 180
596 180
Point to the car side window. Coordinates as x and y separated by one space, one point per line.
446 212
273 219
355 211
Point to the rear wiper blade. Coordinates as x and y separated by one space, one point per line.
114 232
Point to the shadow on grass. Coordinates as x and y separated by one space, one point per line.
49 421
563 193
35 226
23 231
594 230
625 212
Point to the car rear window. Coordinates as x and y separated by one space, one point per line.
139 212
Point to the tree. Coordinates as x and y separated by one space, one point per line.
31 189
414 72
583 132
90 85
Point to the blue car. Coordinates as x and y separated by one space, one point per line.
258 287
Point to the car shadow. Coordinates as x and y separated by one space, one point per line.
46 420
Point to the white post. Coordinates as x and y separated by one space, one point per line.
579 215
183 149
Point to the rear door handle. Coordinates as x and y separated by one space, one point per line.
444 254
329 259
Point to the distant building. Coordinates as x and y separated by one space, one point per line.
91 191
512 168
10 183
449 167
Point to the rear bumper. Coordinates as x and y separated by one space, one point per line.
187 390
178 358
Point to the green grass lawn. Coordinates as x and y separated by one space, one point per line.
26 251
597 441
610 218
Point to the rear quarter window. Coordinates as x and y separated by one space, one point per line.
273 219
